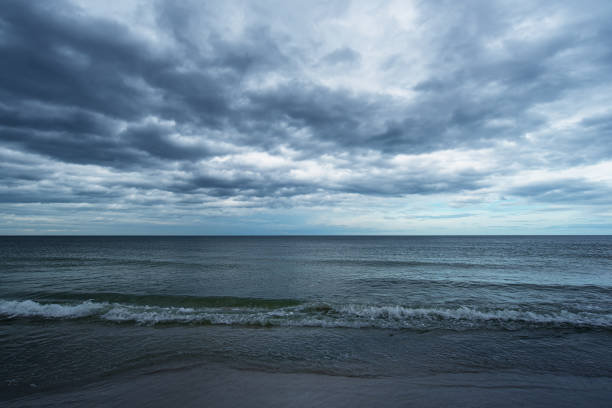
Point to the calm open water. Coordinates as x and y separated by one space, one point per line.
79 310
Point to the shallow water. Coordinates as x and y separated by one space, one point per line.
81 310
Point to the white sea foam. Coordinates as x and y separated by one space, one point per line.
220 316
400 313
30 308
355 316
310 315
149 314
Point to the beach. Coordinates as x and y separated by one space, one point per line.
214 386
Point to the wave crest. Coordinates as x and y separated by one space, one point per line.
30 308
311 315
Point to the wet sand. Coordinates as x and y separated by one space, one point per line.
218 386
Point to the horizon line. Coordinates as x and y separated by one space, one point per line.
300 235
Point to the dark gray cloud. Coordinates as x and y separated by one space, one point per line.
54 56
64 59
566 191
156 140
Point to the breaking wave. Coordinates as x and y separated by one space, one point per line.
30 308
289 313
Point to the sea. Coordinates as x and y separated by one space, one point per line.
306 321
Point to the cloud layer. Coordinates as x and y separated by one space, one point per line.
342 117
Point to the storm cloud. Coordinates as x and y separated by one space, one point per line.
207 117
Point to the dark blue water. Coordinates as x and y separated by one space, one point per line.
75 310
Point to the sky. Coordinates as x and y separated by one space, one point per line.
305 117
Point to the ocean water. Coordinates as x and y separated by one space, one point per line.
492 313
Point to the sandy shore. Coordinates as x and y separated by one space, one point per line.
214 386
